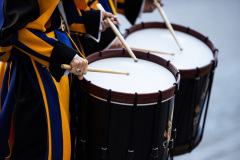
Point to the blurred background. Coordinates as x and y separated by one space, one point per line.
220 21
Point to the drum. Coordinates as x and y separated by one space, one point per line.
196 64
127 116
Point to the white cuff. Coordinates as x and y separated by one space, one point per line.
67 71
99 33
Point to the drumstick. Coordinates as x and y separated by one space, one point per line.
148 50
66 66
168 24
115 30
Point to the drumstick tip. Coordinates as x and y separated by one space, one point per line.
181 49
127 73
135 60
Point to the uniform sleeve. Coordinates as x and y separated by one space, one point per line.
82 18
130 9
41 47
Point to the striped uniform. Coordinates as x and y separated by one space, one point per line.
31 50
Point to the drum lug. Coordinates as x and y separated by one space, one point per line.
130 155
104 153
154 153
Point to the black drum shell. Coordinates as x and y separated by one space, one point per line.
187 139
119 129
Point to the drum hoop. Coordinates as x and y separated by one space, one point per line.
185 73
128 98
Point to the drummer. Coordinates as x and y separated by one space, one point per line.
108 40
35 94
133 9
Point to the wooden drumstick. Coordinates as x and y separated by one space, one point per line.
115 30
66 66
148 50
168 24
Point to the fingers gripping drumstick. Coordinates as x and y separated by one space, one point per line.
66 66
115 30
169 26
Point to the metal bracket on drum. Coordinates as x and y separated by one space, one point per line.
154 153
104 153
197 74
142 24
171 149
130 155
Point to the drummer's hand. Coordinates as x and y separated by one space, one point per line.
116 44
79 63
149 5
104 22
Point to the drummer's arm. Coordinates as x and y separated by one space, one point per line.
133 9
89 20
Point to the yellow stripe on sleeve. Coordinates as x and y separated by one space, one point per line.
34 42
5 57
5 49
46 10
77 28
112 6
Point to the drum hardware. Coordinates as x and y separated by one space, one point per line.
107 117
130 155
206 39
171 149
133 113
142 24
100 54
155 144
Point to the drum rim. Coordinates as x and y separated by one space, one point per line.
185 73
128 98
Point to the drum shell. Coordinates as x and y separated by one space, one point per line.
120 126
189 106
188 139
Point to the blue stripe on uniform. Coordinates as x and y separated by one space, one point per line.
43 36
105 5
7 101
32 52
54 112
1 14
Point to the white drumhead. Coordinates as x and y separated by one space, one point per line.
145 76
195 53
